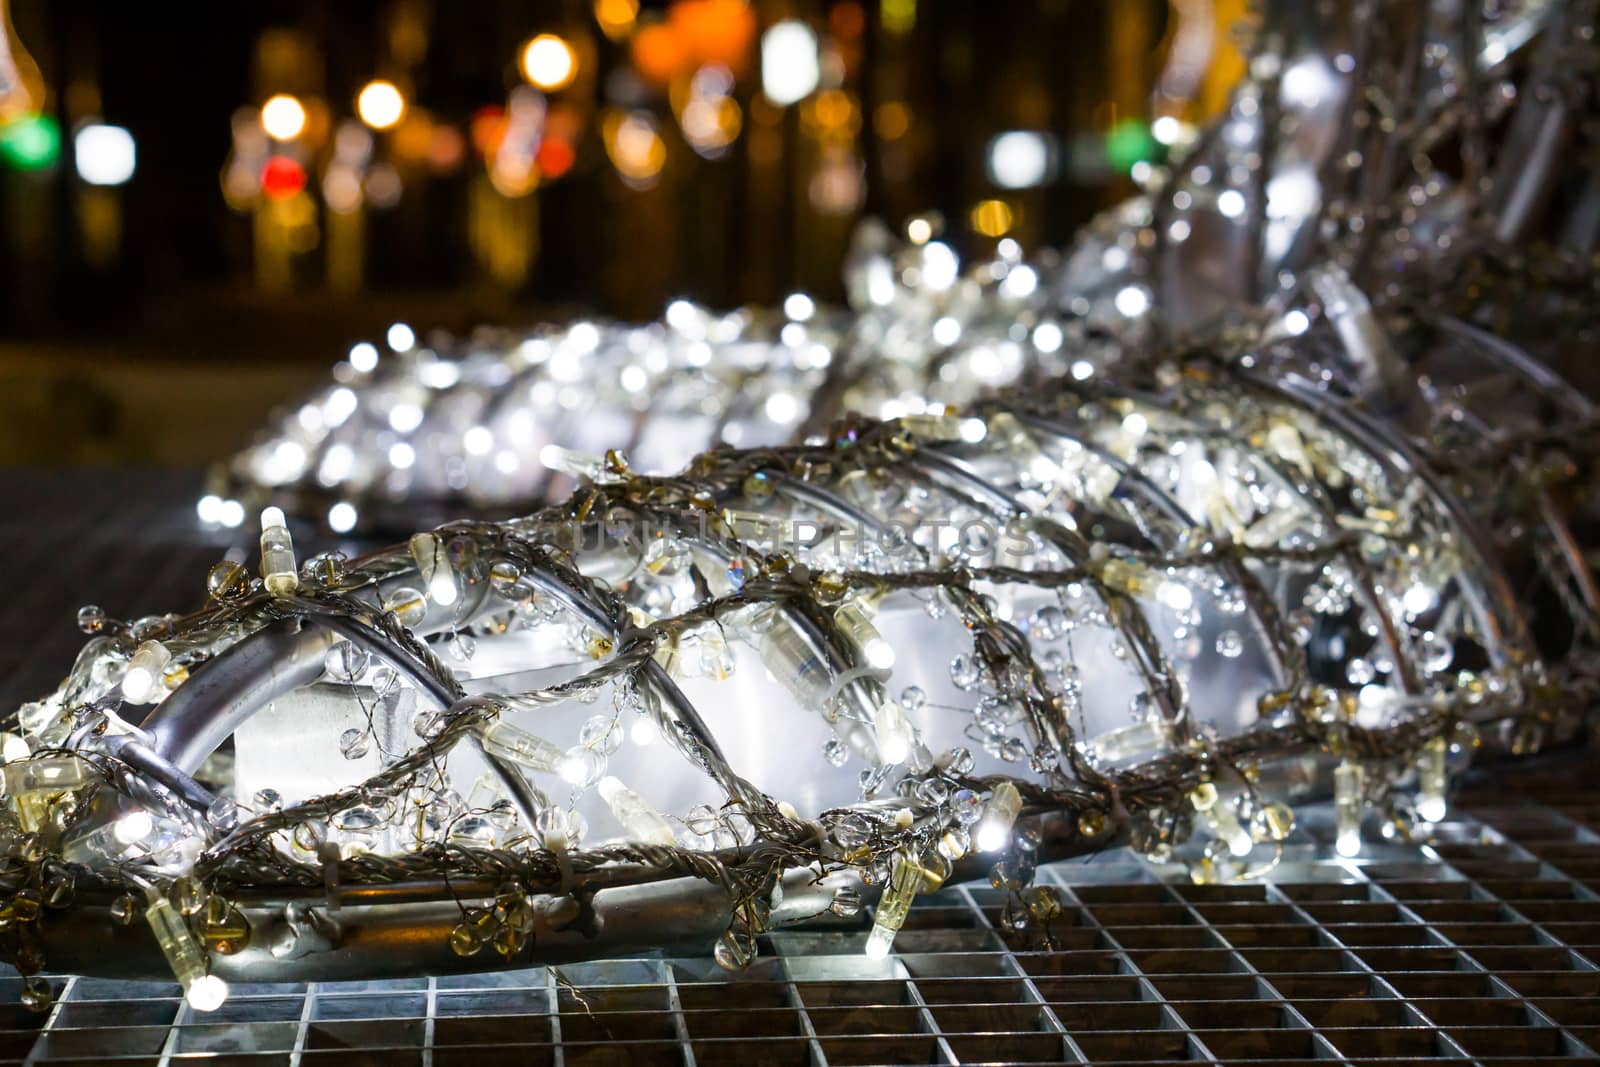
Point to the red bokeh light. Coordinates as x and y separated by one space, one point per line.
282 177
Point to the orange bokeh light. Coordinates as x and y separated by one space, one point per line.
695 33
555 157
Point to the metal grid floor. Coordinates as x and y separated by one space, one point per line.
1484 947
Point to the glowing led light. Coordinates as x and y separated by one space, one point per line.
401 337
790 67
1082 370
142 682
478 441
342 517
1166 129
633 378
549 62
1432 781
283 117
1175 595
209 508
879 654
14 748
134 827
973 430
999 816
1419 600
643 731
799 307
1132 301
206 993
380 104
919 231
104 155
1135 425
573 769
404 418
1020 159
1296 323
1047 337
1230 202
434 568
894 733
230 513
363 357
401 456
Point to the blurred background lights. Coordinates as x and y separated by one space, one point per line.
283 117
401 337
381 104
790 67
342 517
635 148
364 356
549 62
104 155
1020 159
32 142
616 17
1230 202
1132 301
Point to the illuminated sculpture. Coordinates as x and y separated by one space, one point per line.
1153 609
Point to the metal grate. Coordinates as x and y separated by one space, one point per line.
1484 946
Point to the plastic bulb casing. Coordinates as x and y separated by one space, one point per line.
203 991
32 783
854 619
1220 819
434 568
1348 784
999 816
796 665
581 465
109 841
509 742
642 822
142 683
1432 780
905 882
1135 741
278 569
894 733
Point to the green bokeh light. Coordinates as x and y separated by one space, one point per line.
1129 142
32 142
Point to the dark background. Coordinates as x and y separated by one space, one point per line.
164 339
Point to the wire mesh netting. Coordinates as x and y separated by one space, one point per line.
1484 946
